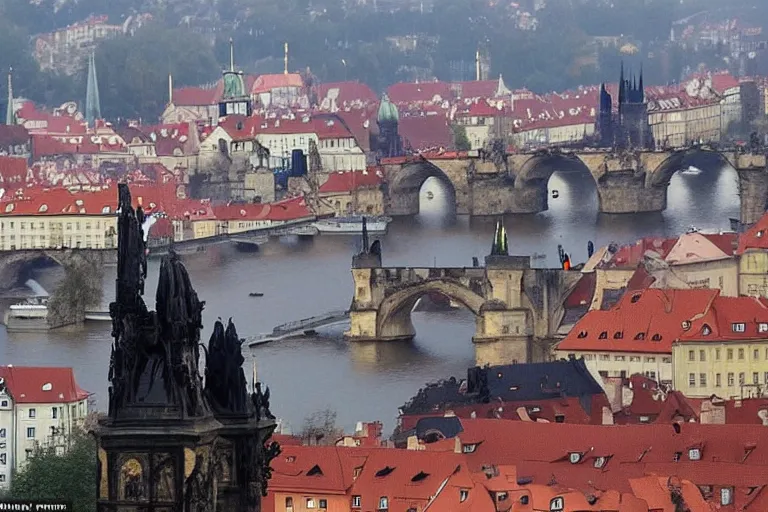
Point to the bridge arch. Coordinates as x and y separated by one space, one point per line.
393 320
538 169
674 163
405 185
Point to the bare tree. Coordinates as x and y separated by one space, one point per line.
320 428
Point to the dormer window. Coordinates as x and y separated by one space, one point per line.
603 335
706 330
582 334
469 448
106 209
9 208
618 335
574 457
384 472
686 325
315 471
635 298
419 476
677 456
762 327
694 454
43 208
656 337
738 327
78 202
356 501
501 496
726 496
600 462
463 495
557 504
760 234
640 336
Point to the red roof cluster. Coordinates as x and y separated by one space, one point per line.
347 181
42 385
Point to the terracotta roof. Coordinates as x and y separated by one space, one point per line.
344 96
13 135
425 133
327 469
289 209
42 385
265 83
13 171
755 237
628 256
45 145
719 322
346 181
242 211
194 96
423 92
695 248
645 321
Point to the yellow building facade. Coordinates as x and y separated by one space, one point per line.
56 231
728 369
753 273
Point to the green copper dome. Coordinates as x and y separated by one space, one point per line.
387 110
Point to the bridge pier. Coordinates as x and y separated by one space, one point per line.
628 193
753 190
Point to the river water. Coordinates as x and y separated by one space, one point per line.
300 279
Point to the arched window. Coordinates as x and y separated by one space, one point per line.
383 503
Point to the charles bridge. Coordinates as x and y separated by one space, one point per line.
515 305
626 181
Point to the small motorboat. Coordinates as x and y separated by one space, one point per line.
555 194
430 195
255 294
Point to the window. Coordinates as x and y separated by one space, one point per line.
738 327
3 403
582 334
703 379
3 459
468 448
2 478
603 335
730 379
323 504
640 336
634 359
726 496
383 503
741 354
289 504
618 335
30 432
574 457
356 501
32 413
600 462
501 496
650 359
667 360
656 337
762 327
755 378
702 356
619 358
55 412
691 355
2 433
756 354
691 380
694 454
741 378
717 354
605 357
717 380
310 502
765 378
677 456
729 354
463 495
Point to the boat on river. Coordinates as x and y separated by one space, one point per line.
353 225
29 315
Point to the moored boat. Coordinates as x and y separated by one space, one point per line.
30 315
352 224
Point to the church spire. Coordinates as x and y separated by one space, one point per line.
621 85
231 55
642 90
10 118
92 103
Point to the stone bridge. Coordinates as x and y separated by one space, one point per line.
514 305
13 262
627 182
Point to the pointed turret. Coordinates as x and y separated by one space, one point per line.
92 103
10 118
642 89
621 85
366 245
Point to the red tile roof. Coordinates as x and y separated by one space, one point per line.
755 237
423 92
265 83
628 256
346 181
45 145
652 313
326 469
718 321
13 135
289 209
424 133
194 96
242 211
13 172
42 385
344 96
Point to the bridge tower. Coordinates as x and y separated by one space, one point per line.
513 303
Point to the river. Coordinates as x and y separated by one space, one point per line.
364 382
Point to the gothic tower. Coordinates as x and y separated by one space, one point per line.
92 103
632 130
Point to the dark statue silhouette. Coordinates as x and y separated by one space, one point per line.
156 388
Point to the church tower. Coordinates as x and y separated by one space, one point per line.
92 103
633 130
235 100
390 143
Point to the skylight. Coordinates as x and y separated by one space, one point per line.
419 476
47 386
384 472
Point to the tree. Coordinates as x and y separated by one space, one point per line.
79 290
65 476
320 428
460 139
